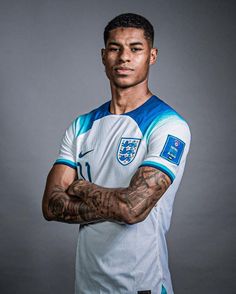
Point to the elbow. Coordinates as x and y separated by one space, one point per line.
47 217
131 220
131 217
46 213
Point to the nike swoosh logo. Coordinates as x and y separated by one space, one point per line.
83 154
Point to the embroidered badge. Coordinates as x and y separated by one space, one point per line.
127 150
173 149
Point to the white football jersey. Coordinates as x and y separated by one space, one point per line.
107 149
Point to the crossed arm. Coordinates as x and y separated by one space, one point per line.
77 201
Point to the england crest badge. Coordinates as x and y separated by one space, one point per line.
127 150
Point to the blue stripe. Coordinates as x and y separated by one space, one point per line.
163 290
161 167
66 162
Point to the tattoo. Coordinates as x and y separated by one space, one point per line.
70 209
129 205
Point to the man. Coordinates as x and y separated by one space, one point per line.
118 170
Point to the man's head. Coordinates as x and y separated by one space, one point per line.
130 20
128 51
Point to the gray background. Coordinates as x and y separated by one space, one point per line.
50 71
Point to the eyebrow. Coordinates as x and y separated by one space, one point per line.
118 44
136 43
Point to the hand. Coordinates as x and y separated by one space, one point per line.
79 188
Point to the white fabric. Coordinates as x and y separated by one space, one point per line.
118 258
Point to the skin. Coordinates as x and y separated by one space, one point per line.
128 205
58 205
127 58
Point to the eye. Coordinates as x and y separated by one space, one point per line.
114 49
135 49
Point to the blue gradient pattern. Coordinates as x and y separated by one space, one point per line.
153 112
84 122
147 116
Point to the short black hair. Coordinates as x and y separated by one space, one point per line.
130 20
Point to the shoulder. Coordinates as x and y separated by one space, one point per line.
168 126
159 115
84 122
162 112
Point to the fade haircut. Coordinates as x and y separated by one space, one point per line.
130 20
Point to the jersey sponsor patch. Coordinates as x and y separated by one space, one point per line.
144 292
127 150
173 149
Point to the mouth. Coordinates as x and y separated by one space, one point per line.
123 70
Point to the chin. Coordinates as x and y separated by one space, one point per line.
127 84
124 83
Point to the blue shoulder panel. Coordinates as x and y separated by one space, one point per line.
154 111
84 122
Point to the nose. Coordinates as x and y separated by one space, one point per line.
124 55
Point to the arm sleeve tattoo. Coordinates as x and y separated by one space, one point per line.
70 209
127 205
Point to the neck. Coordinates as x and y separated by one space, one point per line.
128 99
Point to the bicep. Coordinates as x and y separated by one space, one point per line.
59 176
146 187
150 178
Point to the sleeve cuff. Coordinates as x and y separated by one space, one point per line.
66 162
161 167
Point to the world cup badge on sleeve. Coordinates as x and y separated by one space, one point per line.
127 150
173 149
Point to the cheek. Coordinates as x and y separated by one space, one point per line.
148 61
143 65
109 63
111 57
143 60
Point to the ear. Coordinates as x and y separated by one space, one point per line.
103 56
153 56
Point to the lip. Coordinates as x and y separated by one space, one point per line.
123 69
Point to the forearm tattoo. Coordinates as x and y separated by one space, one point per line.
129 205
70 209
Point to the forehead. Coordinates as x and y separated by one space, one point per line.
127 36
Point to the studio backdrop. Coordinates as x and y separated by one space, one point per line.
51 72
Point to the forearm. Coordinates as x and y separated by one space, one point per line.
104 201
129 205
121 205
69 209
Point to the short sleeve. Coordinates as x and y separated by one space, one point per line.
168 146
67 151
